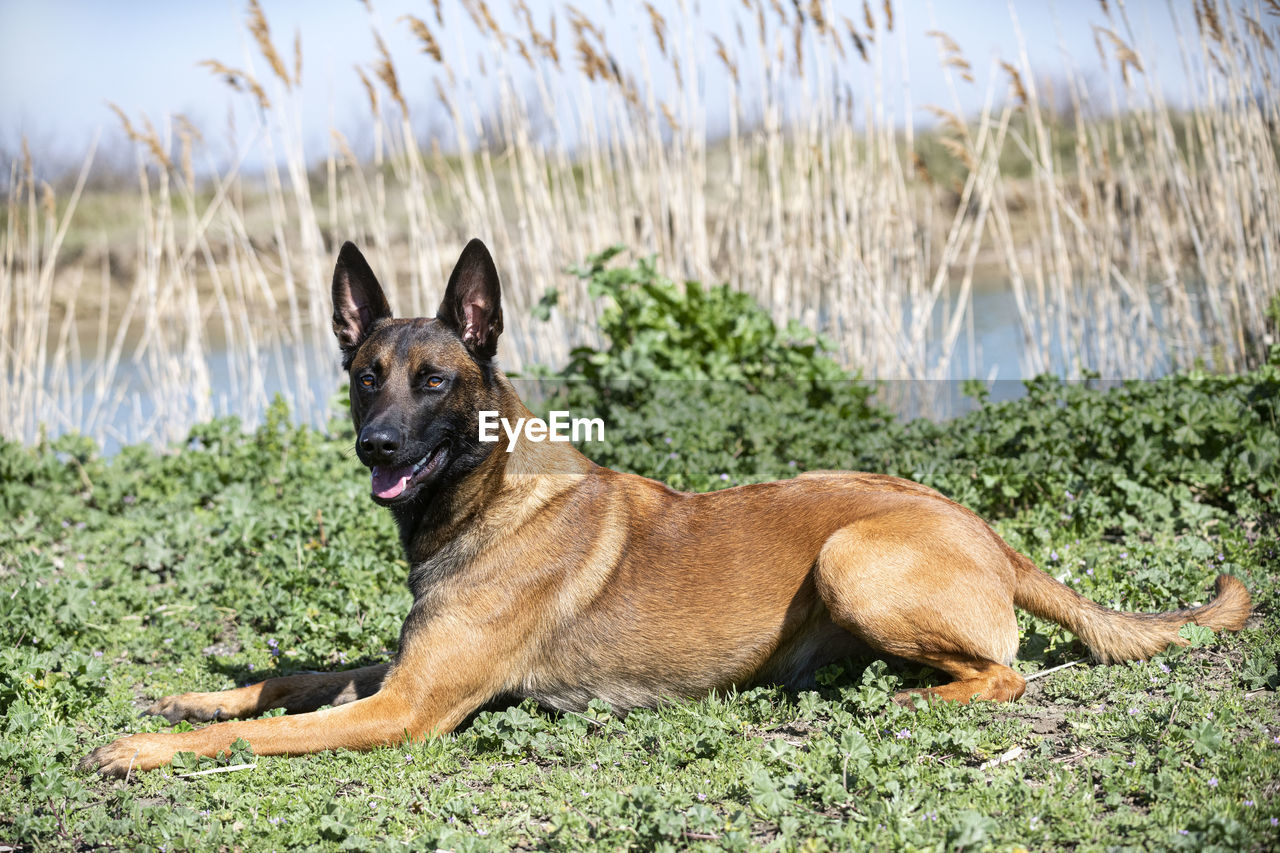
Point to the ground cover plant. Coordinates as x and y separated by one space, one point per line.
239 555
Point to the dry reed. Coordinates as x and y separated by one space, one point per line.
1135 237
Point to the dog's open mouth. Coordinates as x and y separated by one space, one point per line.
390 483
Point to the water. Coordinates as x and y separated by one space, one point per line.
144 405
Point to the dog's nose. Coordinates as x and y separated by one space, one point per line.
380 443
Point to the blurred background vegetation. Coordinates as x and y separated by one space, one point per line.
1079 222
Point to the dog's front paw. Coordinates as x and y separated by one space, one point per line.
196 707
134 753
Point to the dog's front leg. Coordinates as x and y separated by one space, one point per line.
305 691
441 676
379 720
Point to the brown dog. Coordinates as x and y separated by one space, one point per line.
538 573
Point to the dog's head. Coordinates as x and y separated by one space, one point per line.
417 386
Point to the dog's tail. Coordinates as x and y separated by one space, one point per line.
1112 635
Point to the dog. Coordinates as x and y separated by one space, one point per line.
537 573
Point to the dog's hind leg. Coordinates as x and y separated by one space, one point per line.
305 691
930 585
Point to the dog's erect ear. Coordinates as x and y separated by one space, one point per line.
472 304
358 301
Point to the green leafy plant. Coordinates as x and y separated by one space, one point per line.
239 555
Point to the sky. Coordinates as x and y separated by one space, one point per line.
61 61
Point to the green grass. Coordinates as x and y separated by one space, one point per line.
157 573
239 556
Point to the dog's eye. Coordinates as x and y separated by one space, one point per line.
435 381
367 380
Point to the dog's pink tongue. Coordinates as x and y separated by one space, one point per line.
390 482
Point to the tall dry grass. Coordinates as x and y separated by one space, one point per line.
1136 237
